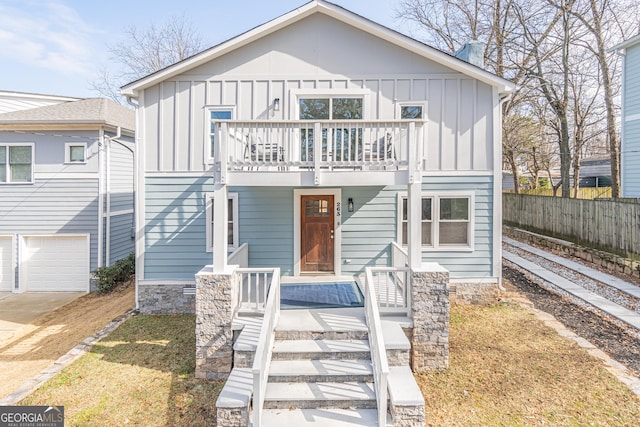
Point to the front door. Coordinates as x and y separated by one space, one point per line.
316 234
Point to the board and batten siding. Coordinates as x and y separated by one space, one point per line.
121 175
631 124
459 110
52 206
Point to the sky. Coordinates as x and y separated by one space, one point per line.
56 46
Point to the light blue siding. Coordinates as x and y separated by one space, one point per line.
175 219
175 222
122 243
50 207
265 218
369 229
631 128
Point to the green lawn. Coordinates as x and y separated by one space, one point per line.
506 368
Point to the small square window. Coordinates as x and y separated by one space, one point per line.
75 153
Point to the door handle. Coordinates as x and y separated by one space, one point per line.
331 234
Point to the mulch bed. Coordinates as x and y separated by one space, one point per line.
610 338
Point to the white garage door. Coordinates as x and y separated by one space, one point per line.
6 264
58 263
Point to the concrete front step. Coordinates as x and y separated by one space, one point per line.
321 349
354 334
321 371
320 395
320 417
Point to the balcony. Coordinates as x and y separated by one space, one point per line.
316 152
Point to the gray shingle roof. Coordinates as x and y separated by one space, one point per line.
85 111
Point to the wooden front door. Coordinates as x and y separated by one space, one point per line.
316 234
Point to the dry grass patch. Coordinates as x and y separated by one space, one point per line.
507 368
53 335
142 374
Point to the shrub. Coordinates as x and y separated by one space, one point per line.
109 277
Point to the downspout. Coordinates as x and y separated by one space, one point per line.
504 97
101 144
136 183
107 147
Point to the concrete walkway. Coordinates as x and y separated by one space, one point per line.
608 307
18 311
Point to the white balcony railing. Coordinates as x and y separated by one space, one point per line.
325 144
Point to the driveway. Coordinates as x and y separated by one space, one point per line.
18 311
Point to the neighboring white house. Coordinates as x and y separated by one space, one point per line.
16 101
66 193
630 146
320 146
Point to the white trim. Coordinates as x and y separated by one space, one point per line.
497 187
67 153
208 158
12 258
435 197
336 12
186 174
139 202
8 166
337 222
209 206
23 251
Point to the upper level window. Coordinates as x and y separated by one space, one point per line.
445 221
336 108
16 163
75 152
216 113
412 111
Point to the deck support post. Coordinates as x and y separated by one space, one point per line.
414 222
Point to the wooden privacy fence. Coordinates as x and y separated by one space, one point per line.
603 224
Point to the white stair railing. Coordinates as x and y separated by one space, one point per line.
262 359
378 351
253 284
392 287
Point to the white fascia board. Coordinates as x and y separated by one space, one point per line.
625 44
336 12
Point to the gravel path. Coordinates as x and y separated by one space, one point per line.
602 289
617 341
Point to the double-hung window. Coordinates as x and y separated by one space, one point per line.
213 114
232 222
16 163
446 221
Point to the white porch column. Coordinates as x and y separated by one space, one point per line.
414 199
414 219
220 221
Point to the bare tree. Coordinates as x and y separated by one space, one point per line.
143 52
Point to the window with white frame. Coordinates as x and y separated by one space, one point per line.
16 163
213 114
446 221
75 152
412 110
232 222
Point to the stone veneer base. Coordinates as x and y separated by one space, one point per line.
165 299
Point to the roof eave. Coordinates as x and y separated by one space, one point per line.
626 44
